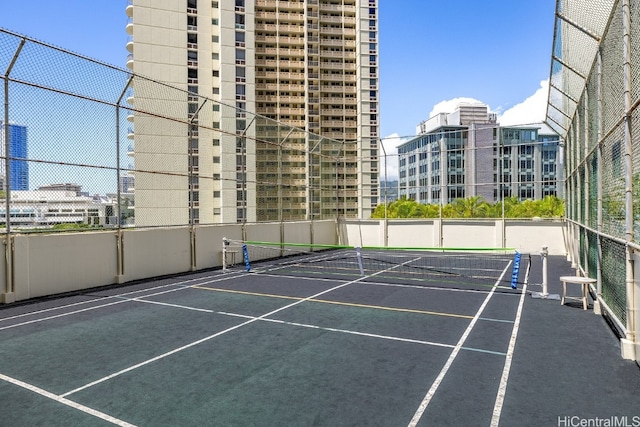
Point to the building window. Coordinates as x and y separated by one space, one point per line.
192 22
240 39
240 56
239 22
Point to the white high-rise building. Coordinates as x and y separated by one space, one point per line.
311 64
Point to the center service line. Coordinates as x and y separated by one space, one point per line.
200 341
427 398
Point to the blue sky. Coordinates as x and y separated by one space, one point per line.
432 52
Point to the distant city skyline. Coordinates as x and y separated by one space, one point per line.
432 54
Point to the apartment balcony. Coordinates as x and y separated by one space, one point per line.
130 151
337 7
130 61
290 76
333 89
129 9
130 133
129 28
130 99
338 124
348 66
130 117
294 123
346 31
296 52
284 87
341 42
338 77
338 19
291 28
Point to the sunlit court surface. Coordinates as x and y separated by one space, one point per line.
333 337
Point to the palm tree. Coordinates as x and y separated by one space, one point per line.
470 207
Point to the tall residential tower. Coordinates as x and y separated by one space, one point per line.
310 64
18 169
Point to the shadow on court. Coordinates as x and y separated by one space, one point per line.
238 349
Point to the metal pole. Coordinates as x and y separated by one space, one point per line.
631 312
8 255
545 287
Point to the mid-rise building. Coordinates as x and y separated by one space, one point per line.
18 169
456 159
310 64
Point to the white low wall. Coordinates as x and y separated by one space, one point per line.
524 236
45 264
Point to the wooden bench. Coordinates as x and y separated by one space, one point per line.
578 280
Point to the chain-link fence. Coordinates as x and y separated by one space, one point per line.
593 101
89 145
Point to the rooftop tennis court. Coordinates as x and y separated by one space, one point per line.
332 337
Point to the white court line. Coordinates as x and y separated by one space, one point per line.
502 389
344 331
66 402
434 387
307 325
120 297
200 341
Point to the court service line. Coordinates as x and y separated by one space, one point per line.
349 304
502 389
307 325
66 402
121 298
323 328
434 387
217 334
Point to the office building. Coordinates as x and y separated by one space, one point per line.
18 169
466 154
310 64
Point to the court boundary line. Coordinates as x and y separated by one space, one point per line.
324 328
65 401
379 307
321 301
200 341
454 353
120 299
502 388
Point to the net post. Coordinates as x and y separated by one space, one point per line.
225 243
545 285
359 258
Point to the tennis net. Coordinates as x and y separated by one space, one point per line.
451 267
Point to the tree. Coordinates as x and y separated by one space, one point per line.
470 207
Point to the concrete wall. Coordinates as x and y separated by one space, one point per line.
38 265
525 236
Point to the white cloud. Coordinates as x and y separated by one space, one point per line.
451 105
390 162
531 110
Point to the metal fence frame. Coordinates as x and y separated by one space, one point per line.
594 95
